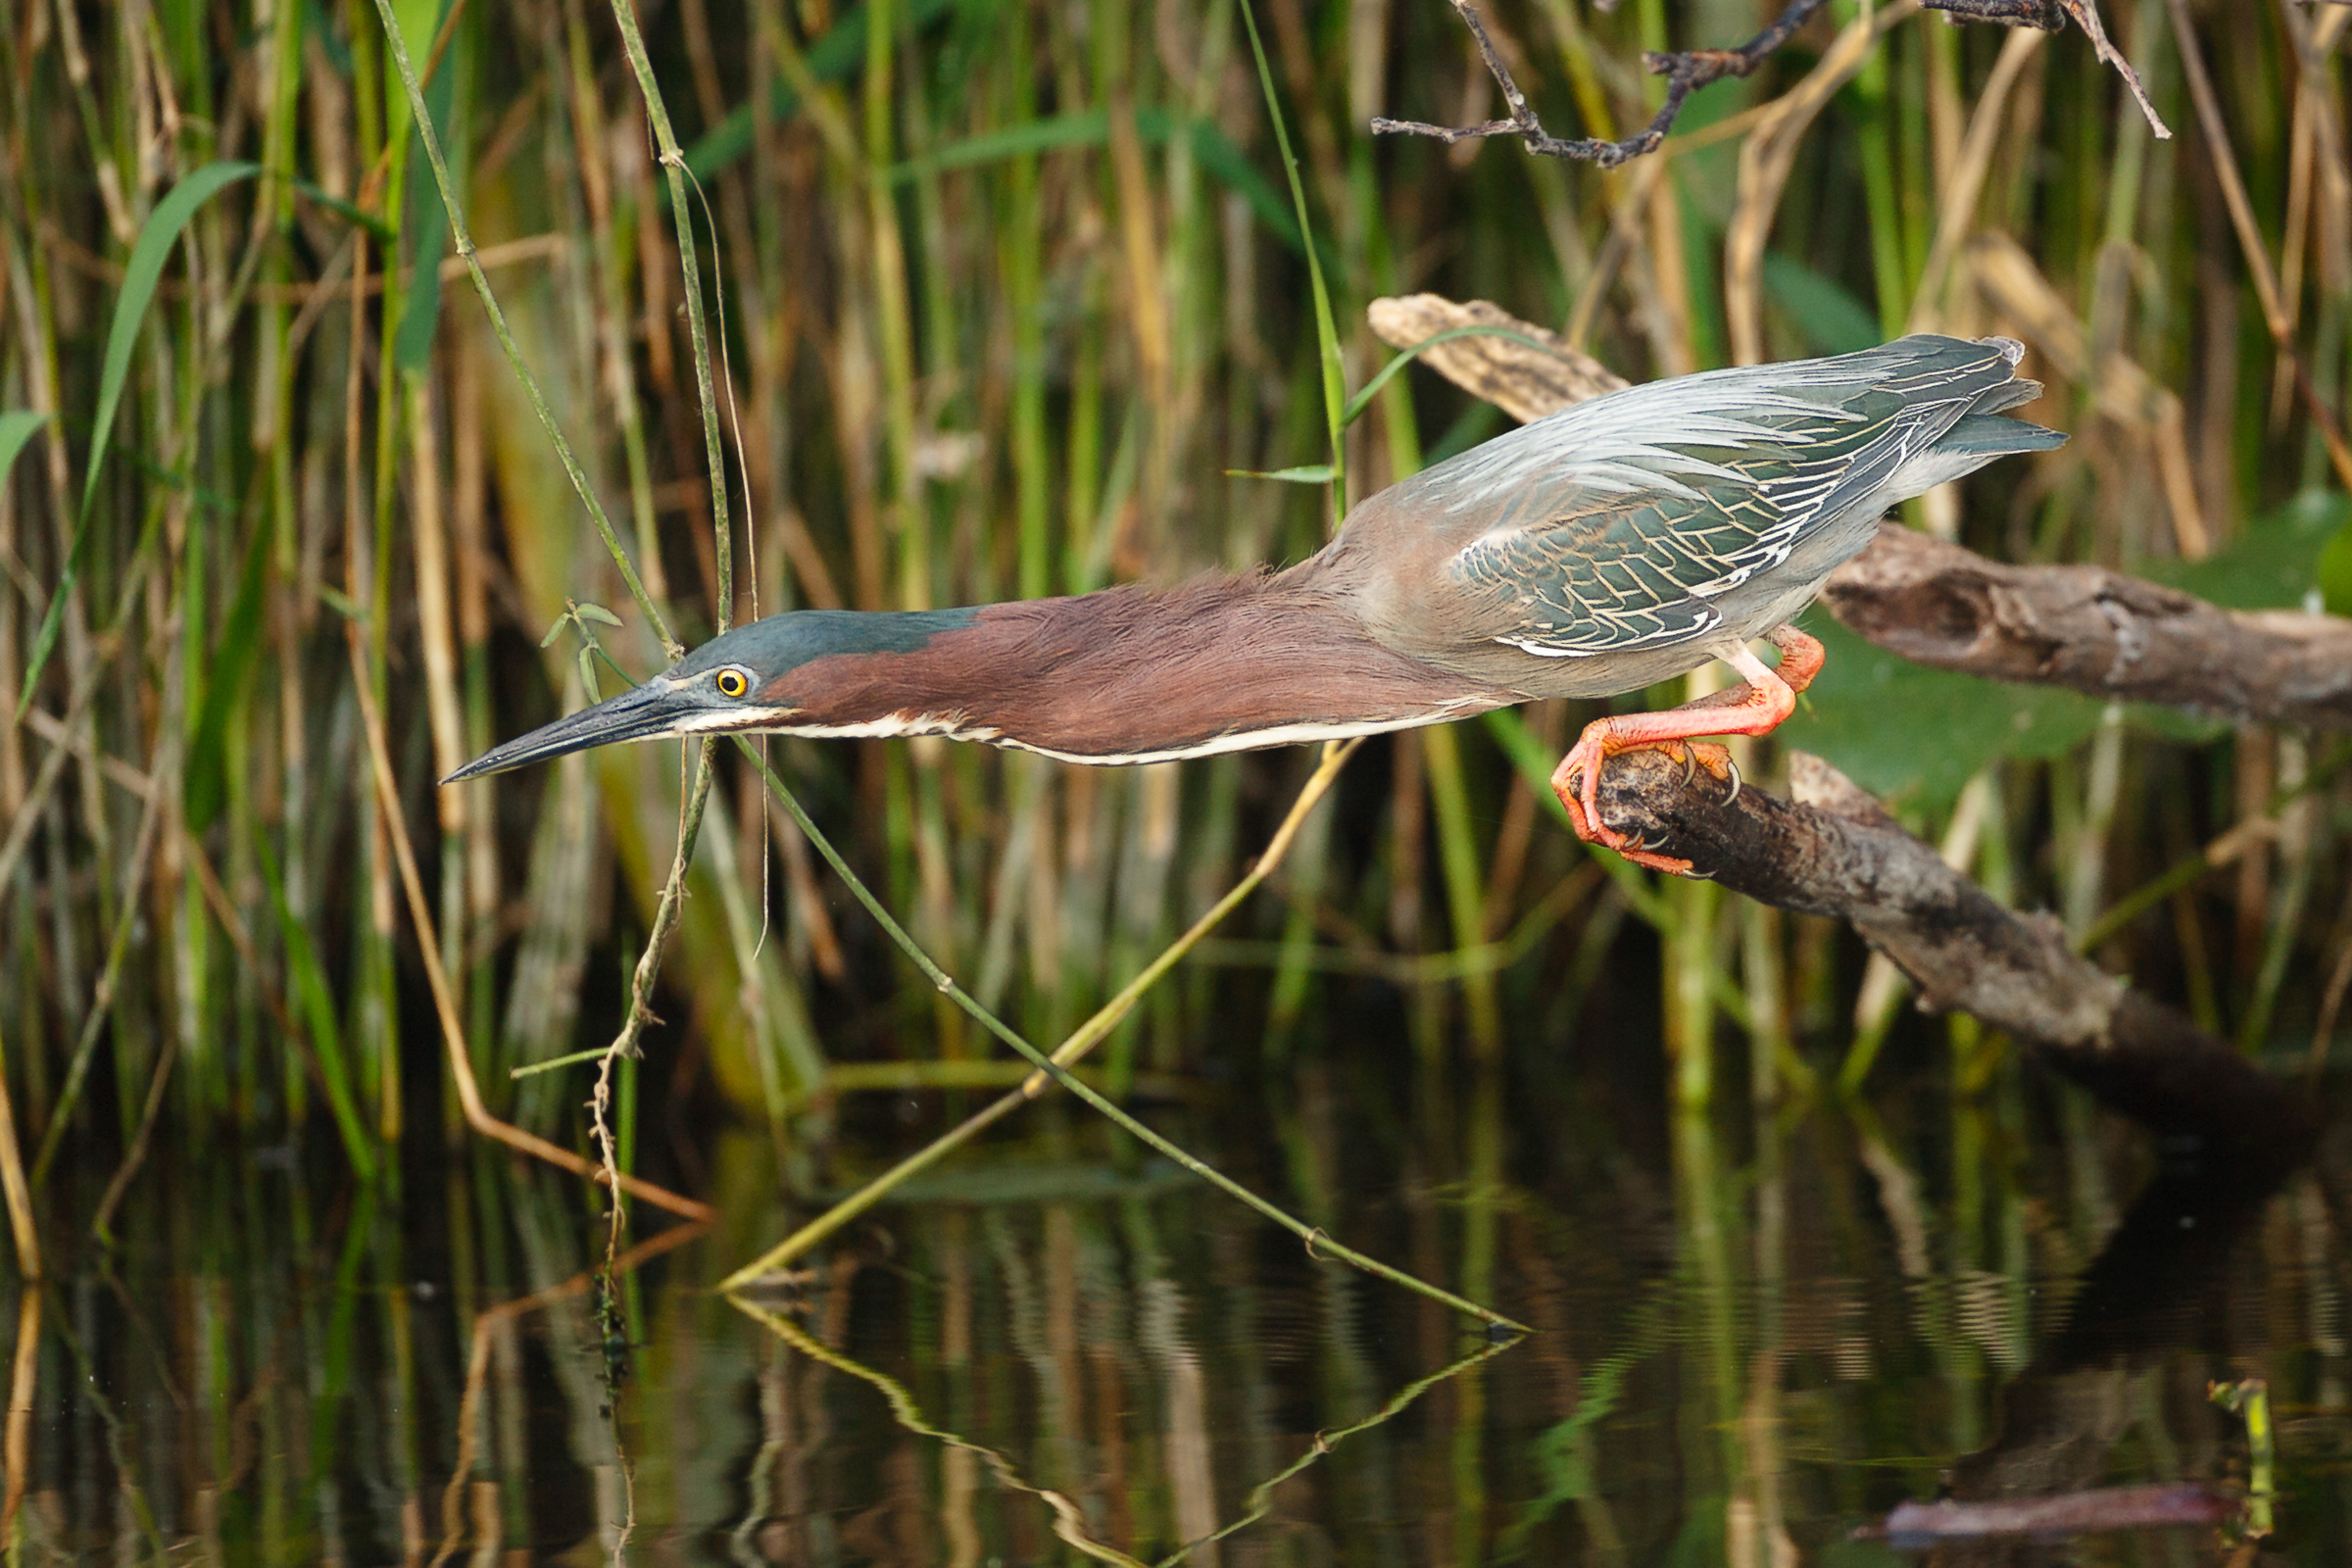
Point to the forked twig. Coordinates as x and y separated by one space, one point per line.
2052 16
1688 69
1685 72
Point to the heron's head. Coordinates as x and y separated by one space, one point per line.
767 675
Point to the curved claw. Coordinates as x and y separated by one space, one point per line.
1736 781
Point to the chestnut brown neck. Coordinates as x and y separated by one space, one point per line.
1134 675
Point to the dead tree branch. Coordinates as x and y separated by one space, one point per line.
1836 853
1688 69
2096 631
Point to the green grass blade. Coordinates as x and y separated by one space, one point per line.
319 1012
1327 334
232 662
15 429
139 279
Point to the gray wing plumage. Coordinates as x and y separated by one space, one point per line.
1621 523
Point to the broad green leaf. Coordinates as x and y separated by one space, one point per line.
429 218
1089 127
140 276
145 270
1915 735
1831 319
2273 562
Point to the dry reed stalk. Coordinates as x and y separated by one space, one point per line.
1767 157
20 1225
2274 314
1955 218
428 945
22 1384
2118 387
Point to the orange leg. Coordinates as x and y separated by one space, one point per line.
1756 707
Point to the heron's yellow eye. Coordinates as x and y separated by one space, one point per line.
731 682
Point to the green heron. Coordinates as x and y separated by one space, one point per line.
1610 545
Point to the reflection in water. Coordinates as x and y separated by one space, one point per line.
1757 1332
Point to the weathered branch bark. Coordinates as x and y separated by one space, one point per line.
1517 380
2096 631
2082 627
1836 853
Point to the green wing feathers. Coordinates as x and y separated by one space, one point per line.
1638 511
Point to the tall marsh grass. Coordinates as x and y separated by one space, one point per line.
1012 294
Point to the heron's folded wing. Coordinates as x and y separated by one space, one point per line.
1633 550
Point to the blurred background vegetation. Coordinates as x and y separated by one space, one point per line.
1008 290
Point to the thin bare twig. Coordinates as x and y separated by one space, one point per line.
2052 16
1685 72
1688 69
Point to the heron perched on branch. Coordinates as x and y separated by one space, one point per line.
1615 544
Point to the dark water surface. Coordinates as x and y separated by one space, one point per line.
1757 1330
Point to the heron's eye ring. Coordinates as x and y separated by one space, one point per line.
731 682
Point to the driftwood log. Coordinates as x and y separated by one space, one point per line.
1835 852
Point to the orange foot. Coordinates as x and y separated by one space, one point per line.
1577 782
1756 707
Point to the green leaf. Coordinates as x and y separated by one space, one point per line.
377 229
2272 563
1911 734
140 276
1154 126
1327 334
1089 127
597 612
319 1014
15 429
1314 473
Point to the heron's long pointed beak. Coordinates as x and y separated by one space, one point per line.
652 709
